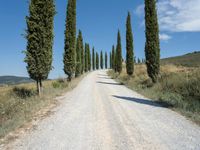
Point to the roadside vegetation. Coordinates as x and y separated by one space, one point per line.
19 104
178 87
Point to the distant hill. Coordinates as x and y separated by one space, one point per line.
11 80
188 60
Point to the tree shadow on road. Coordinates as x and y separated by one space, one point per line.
144 101
104 77
111 83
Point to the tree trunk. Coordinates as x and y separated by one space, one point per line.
38 88
41 86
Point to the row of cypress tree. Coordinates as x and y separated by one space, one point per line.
152 45
77 59
39 52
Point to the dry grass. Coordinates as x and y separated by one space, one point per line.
18 104
178 87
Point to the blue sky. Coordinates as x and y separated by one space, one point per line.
99 21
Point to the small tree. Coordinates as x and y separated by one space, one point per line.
86 57
101 60
152 46
70 40
93 59
113 58
89 58
39 40
119 54
82 53
97 61
129 47
110 60
106 60
78 55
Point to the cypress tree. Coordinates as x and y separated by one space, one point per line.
78 55
89 58
129 47
152 46
86 57
93 59
97 61
113 58
82 52
70 40
119 54
101 60
106 60
39 40
110 60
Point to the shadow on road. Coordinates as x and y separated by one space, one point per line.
109 83
104 77
144 101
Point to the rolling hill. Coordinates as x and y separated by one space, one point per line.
11 80
188 60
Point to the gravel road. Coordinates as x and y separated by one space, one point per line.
100 114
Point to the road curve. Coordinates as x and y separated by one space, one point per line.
100 114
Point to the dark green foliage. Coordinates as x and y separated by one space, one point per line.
129 47
86 57
110 60
39 40
78 55
118 54
152 46
113 58
106 60
23 92
82 56
70 40
93 59
139 61
97 61
89 58
101 60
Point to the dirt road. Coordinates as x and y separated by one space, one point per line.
101 114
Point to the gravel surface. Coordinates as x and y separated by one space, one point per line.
101 114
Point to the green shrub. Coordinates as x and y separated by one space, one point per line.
23 92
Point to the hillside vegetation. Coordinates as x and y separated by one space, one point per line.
178 87
11 80
20 103
188 60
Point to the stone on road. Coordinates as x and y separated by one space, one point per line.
100 114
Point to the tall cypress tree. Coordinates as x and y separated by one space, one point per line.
70 40
129 47
106 60
110 60
89 58
78 55
101 60
93 59
86 57
82 52
39 40
119 54
113 58
152 46
97 61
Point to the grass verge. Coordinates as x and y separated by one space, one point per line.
19 104
178 87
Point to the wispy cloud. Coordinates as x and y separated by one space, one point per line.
177 15
164 37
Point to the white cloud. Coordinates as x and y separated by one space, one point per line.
164 37
177 15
